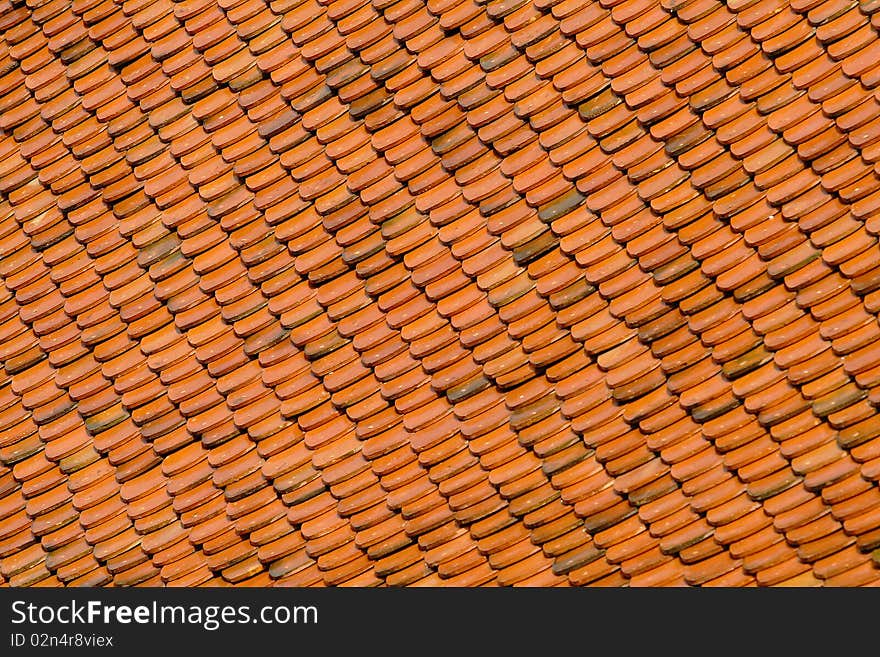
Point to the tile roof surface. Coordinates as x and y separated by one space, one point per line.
439 292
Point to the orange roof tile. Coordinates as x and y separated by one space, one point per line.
322 292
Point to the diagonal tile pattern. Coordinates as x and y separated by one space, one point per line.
439 292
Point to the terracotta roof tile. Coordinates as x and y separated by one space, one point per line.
529 294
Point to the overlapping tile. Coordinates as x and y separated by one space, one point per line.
465 293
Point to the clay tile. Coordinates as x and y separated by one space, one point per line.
433 273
